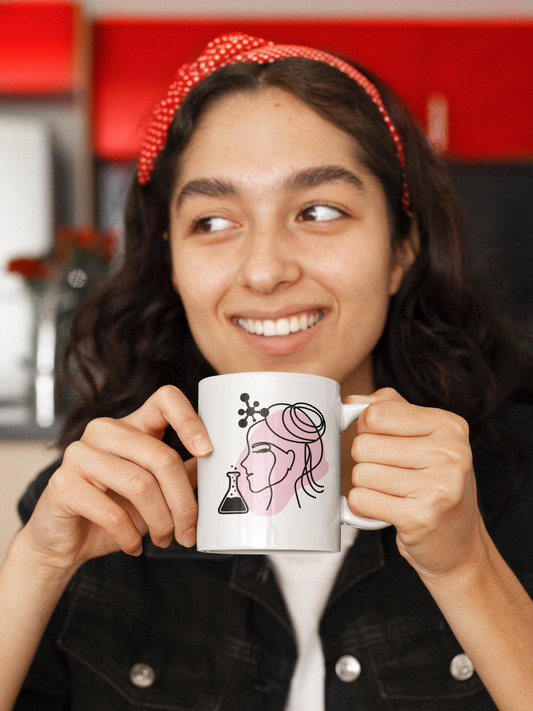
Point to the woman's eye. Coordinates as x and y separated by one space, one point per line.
261 448
320 213
212 224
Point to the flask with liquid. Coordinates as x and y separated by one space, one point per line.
233 502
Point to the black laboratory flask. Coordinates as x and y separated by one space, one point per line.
233 503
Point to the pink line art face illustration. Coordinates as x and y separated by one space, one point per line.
266 464
283 458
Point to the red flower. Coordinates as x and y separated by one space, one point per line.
87 237
76 246
30 267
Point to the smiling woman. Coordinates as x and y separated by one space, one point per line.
288 215
292 227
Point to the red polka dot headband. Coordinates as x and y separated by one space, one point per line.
236 48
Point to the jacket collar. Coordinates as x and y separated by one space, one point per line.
253 576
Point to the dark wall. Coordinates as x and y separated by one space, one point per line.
498 202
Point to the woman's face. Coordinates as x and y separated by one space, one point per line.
280 242
266 464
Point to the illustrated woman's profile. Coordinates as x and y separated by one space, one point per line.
283 457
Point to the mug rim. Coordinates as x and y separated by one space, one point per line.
268 372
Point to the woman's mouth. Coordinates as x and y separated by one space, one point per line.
282 326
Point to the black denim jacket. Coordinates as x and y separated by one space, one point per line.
212 632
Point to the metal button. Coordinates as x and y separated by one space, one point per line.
461 667
348 668
142 675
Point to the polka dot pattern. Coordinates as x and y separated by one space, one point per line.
231 49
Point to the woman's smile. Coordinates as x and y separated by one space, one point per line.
284 326
280 242
281 336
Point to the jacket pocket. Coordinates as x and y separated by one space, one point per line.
418 663
122 657
420 659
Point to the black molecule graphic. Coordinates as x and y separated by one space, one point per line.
250 411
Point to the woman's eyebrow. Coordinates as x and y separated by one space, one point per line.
308 178
311 177
205 186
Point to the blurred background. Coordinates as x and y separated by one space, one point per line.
78 81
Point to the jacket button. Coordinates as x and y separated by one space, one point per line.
142 675
348 668
461 667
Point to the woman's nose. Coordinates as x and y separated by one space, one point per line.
270 259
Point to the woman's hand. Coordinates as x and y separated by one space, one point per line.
119 482
414 469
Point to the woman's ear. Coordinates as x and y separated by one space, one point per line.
404 254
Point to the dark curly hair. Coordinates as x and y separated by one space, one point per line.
443 344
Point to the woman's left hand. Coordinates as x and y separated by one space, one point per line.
414 469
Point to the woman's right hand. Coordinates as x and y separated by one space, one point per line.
119 482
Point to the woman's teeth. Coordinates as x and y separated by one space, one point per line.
281 327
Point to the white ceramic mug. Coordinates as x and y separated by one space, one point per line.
273 480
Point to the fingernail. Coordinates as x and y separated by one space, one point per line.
188 537
353 399
166 542
138 552
202 445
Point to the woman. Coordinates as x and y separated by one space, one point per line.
287 216
284 457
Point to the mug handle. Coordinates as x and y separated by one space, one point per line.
349 413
